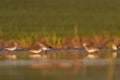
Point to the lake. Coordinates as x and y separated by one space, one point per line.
60 66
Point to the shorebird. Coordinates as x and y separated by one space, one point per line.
37 49
115 47
12 48
90 50
45 47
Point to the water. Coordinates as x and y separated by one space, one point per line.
60 66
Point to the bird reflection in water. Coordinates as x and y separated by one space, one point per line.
91 56
39 56
114 54
11 56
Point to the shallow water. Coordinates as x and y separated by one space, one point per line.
60 66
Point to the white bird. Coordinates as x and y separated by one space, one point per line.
13 47
90 50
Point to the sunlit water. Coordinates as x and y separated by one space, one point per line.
60 66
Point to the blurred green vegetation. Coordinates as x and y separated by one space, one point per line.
29 19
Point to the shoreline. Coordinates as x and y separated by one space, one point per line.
63 42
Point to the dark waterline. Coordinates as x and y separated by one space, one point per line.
72 50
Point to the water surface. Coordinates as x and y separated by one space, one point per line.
60 66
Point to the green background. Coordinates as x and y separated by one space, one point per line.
48 17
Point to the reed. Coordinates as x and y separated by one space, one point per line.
59 24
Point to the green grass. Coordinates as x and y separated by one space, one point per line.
20 18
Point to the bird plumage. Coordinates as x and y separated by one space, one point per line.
115 47
12 48
90 50
45 46
35 50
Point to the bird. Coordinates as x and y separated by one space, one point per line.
12 48
37 49
45 47
90 50
115 47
